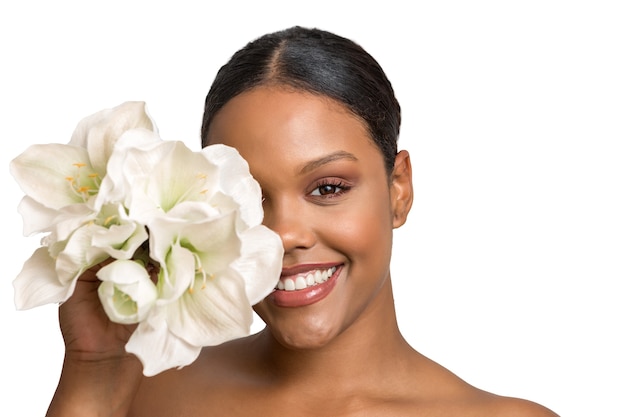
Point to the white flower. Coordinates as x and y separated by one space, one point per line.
164 175
108 234
127 292
117 190
99 132
61 183
203 211
133 157
54 176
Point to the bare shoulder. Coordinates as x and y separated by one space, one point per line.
451 395
473 402
516 407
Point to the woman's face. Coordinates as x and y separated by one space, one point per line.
327 195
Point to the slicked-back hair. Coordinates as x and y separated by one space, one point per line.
318 62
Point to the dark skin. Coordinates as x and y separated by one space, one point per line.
332 203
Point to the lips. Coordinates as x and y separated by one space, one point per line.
305 287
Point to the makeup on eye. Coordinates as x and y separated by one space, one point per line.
329 188
331 176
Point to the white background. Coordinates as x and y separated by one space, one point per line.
511 269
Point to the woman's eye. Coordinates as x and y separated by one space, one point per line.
329 190
325 189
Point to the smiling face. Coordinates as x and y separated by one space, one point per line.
328 196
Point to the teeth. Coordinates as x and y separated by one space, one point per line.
300 283
310 279
305 280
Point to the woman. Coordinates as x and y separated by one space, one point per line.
317 120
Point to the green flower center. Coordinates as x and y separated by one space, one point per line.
83 183
124 304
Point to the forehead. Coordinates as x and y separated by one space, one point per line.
278 125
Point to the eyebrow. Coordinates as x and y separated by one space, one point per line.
316 163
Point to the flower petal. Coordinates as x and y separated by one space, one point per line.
213 311
177 272
79 254
235 180
99 132
36 217
182 175
54 174
120 241
37 284
134 156
120 237
260 262
70 218
213 241
157 348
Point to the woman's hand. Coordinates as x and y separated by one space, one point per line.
88 332
99 378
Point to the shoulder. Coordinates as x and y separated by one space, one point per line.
484 403
449 394
516 407
480 403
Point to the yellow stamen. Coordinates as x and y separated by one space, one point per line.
79 164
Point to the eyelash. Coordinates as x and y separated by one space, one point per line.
335 184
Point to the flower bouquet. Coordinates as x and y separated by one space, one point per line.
180 231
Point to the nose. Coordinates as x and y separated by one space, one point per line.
292 223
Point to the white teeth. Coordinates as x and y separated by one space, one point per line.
310 279
305 280
300 283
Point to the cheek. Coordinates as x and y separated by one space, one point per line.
363 232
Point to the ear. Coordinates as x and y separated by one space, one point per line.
401 188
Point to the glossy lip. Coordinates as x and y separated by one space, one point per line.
306 296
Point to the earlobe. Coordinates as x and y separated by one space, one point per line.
401 188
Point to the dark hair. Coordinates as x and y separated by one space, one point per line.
318 62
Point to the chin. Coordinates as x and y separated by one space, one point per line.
303 341
304 335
